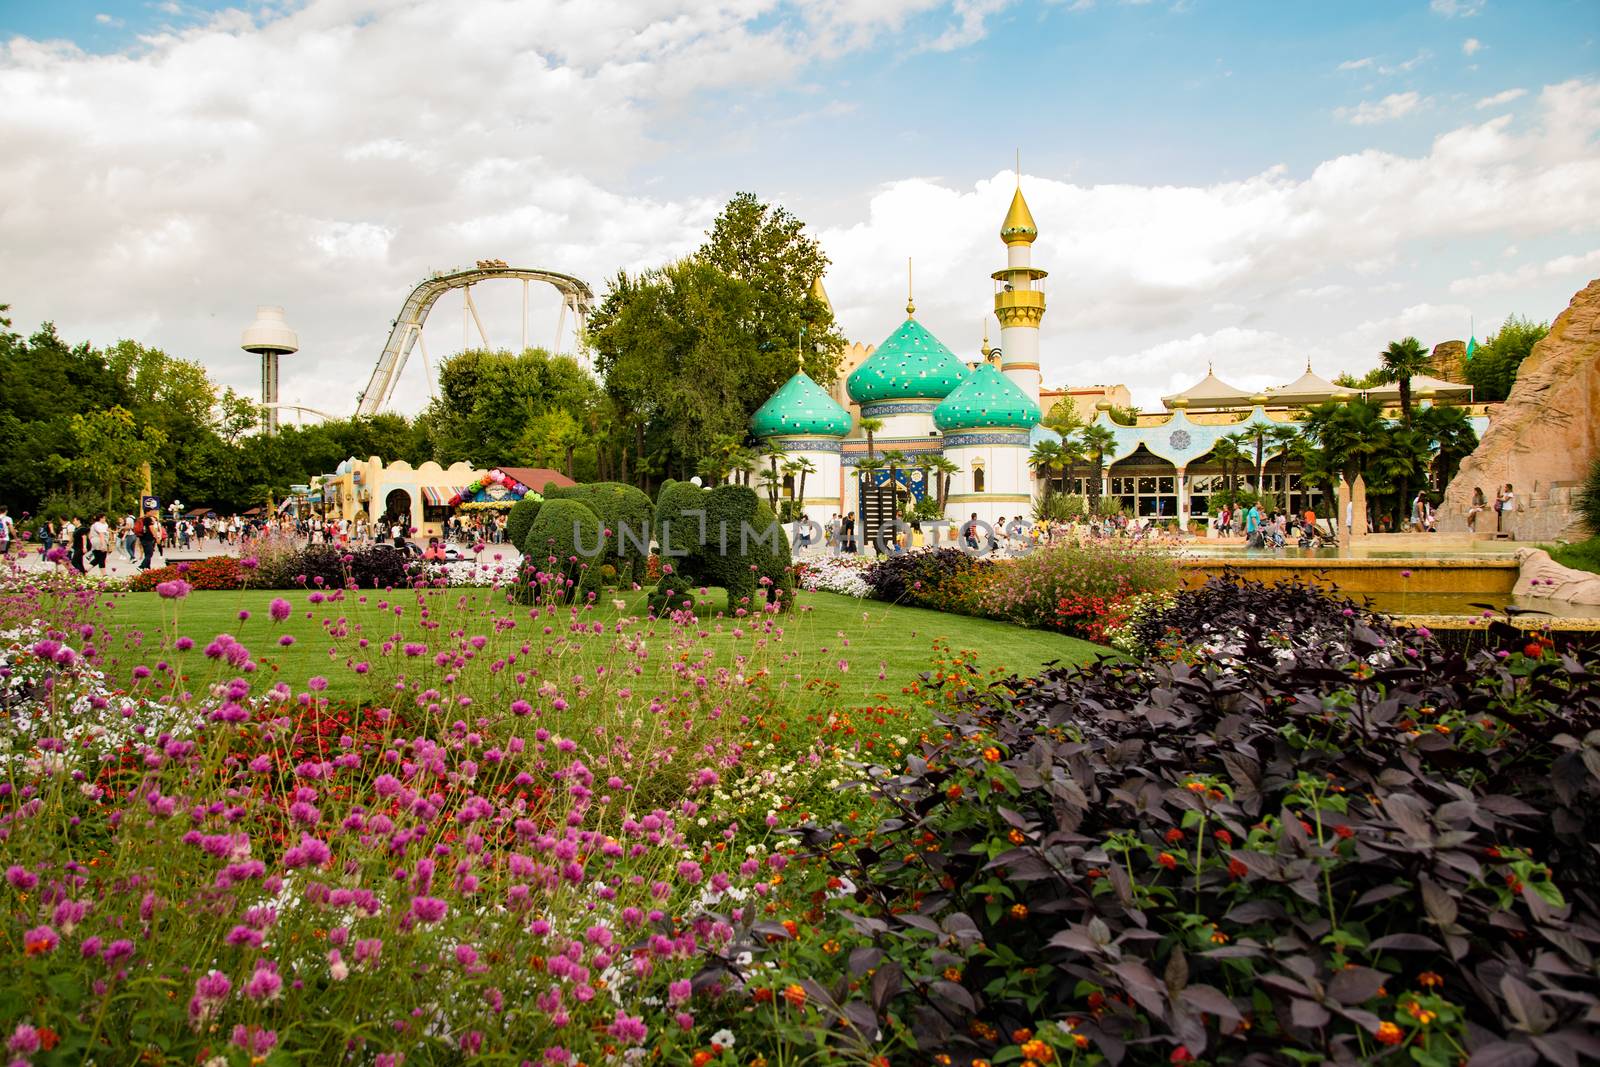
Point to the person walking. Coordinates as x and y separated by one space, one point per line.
79 540
8 531
99 542
145 532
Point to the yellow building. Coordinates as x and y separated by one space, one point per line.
366 490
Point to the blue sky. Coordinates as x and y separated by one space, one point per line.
1248 182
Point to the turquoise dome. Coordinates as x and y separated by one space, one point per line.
911 364
986 400
800 407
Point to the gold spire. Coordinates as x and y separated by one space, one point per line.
821 294
911 305
1019 225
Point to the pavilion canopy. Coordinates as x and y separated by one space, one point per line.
1210 392
1309 388
1442 390
536 478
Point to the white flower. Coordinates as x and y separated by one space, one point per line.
723 1037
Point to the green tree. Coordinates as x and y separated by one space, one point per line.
1046 461
767 248
488 399
1450 434
111 449
1063 417
871 426
775 455
943 470
1098 442
1401 361
1492 370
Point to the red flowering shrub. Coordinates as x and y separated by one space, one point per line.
213 572
1091 616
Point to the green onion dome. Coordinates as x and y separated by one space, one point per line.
800 407
912 364
988 399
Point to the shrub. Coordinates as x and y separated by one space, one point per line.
1074 586
519 520
733 542
213 572
834 574
335 567
621 507
1587 499
1341 844
941 578
673 593
566 539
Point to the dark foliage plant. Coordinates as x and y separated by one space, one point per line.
336 567
1303 836
1587 499
917 577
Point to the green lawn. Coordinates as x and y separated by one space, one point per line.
824 631
1582 556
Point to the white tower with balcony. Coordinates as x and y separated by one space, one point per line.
270 337
1019 299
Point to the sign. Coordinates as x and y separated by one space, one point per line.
150 503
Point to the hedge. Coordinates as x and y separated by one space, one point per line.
563 540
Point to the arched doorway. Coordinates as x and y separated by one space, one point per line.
397 506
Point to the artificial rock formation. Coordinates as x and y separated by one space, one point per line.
1545 436
1543 577
1449 361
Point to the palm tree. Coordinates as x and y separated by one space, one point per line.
1452 435
1072 455
1347 435
1046 460
1097 441
800 467
943 469
1403 360
775 454
744 463
1228 452
1281 439
870 426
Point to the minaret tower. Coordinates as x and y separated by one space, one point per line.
1019 299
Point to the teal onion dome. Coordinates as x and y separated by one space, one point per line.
912 364
986 400
800 406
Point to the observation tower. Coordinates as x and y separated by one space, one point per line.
270 337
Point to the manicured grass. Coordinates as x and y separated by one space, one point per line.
1582 556
828 637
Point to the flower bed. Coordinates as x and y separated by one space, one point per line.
1305 836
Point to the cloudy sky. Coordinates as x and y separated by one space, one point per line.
1251 183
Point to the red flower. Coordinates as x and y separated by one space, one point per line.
1237 869
1174 835
1167 860
1181 1054
1227 839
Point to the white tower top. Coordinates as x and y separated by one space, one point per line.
269 333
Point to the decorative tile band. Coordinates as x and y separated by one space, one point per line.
809 444
968 440
910 407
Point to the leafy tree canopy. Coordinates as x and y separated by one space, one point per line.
1493 368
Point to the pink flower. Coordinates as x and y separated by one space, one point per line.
428 909
254 1040
40 940
20 877
265 983
24 1040
280 609
176 589
628 1028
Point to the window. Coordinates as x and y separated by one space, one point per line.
788 487
977 479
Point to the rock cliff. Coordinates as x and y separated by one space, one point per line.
1546 434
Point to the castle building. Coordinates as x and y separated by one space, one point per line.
921 401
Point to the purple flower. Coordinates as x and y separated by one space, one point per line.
176 589
280 609
24 1040
40 940
428 909
254 1040
628 1028
20 877
265 983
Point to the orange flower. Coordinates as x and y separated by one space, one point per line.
1019 911
1021 1034
1038 1050
1080 1040
1388 1033
763 995
952 974
992 754
701 1058
1015 837
954 792
1167 860
795 994
1429 980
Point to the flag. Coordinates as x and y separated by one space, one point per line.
1472 346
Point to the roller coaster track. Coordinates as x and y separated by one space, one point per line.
576 296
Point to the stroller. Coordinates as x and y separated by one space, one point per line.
1313 536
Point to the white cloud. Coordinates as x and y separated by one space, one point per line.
107 20
1456 8
1471 46
1357 64
1501 98
164 193
1575 269
1391 107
